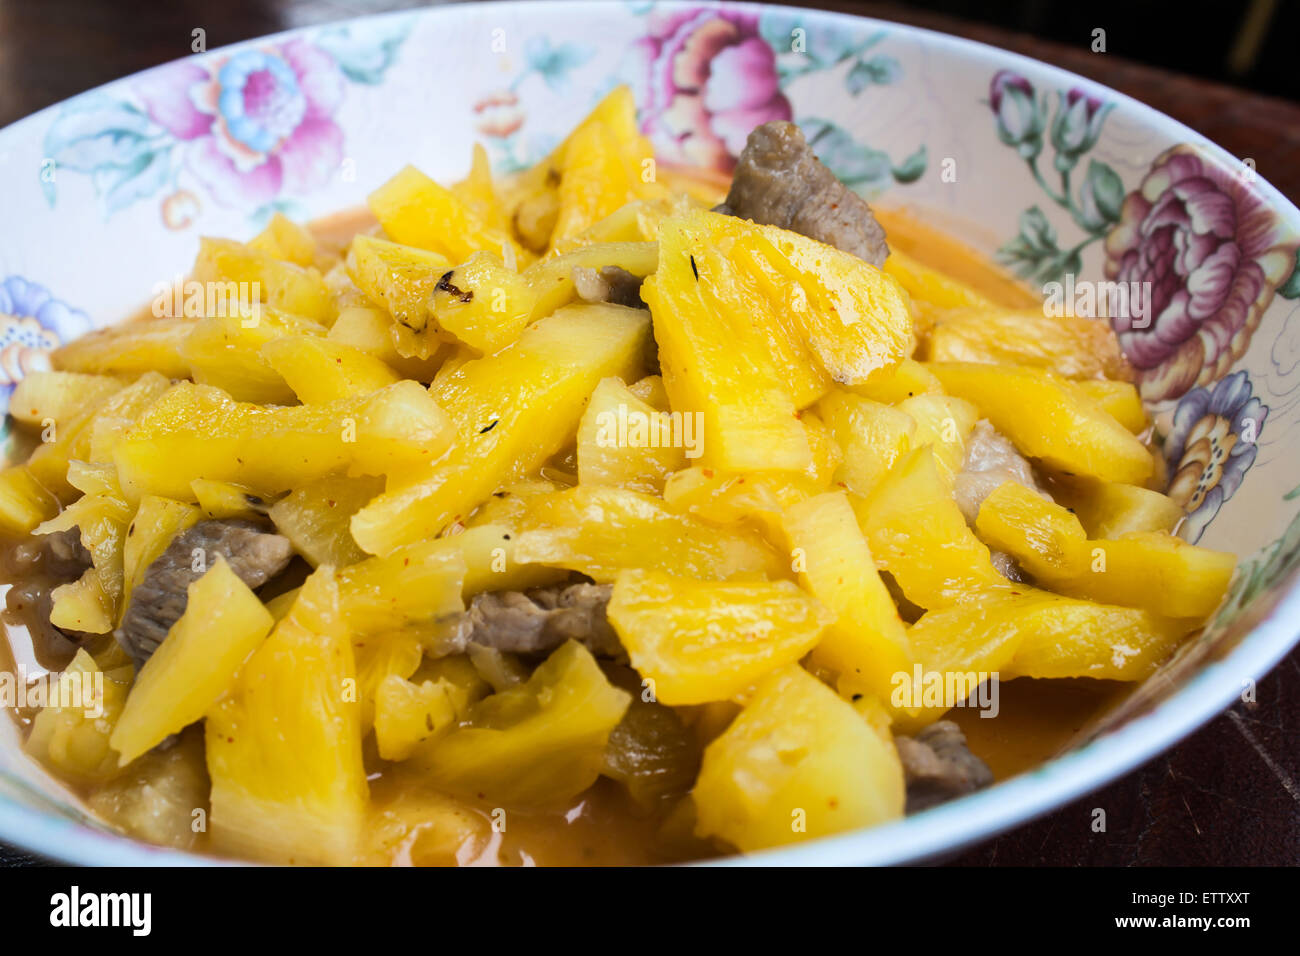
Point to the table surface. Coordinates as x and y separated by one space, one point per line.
1228 794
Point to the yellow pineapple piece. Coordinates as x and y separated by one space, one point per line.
1043 537
699 641
797 764
132 348
284 746
157 521
371 331
625 442
917 533
892 384
316 518
282 285
1109 509
224 622
413 589
71 733
600 531
401 278
58 397
225 499
872 436
1048 419
1069 346
318 370
225 351
867 641
945 423
538 743
285 239
1120 399
196 431
416 211
408 714
512 411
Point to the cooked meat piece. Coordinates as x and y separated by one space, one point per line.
991 459
158 601
779 181
65 555
539 620
608 284
1005 565
938 766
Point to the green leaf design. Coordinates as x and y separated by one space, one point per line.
878 69
857 165
1290 289
364 56
1033 253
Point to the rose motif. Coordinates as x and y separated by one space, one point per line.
1210 447
1213 253
709 78
32 324
254 124
1020 115
1077 126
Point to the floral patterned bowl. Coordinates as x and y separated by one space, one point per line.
1061 179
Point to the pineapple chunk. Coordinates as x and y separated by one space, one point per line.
1110 510
379 657
281 285
400 278
225 499
133 348
894 383
872 436
412 589
699 641
24 501
157 521
512 411
931 286
601 173
1069 346
490 553
601 531
867 642
945 423
1152 570
627 443
318 370
1031 633
225 351
1049 419
284 746
479 193
371 331
541 742
797 764
917 533
1120 399
285 239
714 363
1043 537
224 622
71 733
482 303
58 397
416 211
196 431
156 798
316 518
407 715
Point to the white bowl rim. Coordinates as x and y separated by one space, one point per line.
944 829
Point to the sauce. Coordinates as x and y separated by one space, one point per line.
411 824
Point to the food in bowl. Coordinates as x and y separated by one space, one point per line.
601 512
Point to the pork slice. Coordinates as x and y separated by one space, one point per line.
158 601
779 181
538 621
608 284
938 766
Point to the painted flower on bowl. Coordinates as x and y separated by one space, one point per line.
709 78
32 324
1213 252
498 114
256 123
1210 446
1020 114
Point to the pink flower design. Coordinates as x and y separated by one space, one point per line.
254 124
498 114
709 79
1214 254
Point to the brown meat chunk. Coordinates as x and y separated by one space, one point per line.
158 601
938 766
779 181
608 284
539 620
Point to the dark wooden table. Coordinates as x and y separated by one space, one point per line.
1227 795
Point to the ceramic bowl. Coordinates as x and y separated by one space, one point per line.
105 197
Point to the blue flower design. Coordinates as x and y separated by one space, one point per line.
32 324
1211 446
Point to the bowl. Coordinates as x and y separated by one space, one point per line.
1055 175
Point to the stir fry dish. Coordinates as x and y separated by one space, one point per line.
598 513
